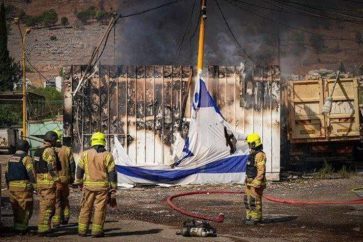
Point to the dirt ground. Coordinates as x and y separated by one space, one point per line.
143 214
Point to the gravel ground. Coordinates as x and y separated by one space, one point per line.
143 214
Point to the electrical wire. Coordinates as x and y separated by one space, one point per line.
96 55
313 12
35 69
195 29
346 12
232 34
322 12
148 10
188 25
265 17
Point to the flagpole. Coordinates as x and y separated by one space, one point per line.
203 17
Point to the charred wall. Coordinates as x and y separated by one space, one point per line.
142 106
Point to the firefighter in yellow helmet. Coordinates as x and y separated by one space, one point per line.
255 179
96 171
46 165
20 179
66 176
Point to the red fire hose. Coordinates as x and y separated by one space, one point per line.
220 217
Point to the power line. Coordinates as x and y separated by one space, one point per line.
195 29
148 10
97 54
346 12
41 74
264 17
187 28
303 11
321 12
232 34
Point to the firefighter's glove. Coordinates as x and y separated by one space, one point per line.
112 202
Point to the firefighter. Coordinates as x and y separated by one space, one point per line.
20 179
46 166
96 172
66 176
255 180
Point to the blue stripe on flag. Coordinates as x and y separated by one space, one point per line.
205 99
233 164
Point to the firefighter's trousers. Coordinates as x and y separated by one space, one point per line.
22 204
96 202
253 203
46 208
61 213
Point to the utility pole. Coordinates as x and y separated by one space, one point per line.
203 17
23 49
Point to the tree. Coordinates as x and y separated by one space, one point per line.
9 71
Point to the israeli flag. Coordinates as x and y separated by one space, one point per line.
205 157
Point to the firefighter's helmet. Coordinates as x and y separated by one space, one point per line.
51 137
59 134
254 140
22 145
98 138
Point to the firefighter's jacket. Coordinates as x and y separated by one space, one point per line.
67 165
259 163
19 172
46 165
96 170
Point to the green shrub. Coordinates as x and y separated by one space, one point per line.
87 14
31 21
10 114
326 171
49 93
53 100
47 18
344 172
53 38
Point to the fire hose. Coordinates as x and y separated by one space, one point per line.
220 217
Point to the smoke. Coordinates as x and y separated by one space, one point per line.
154 38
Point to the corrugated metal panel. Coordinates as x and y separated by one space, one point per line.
308 124
142 105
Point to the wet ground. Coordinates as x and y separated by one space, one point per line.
143 214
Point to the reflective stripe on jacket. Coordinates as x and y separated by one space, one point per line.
97 167
47 180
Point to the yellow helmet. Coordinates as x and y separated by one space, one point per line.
98 138
59 134
254 140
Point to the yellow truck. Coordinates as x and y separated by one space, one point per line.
316 136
